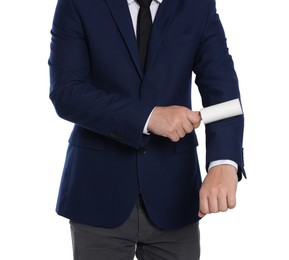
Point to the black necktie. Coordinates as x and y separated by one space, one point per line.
144 24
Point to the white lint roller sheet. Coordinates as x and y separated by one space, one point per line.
221 111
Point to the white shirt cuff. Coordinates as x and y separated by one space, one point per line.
219 162
145 129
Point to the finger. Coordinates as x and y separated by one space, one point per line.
213 204
204 206
194 118
201 214
198 118
231 200
181 132
197 125
188 127
174 137
222 203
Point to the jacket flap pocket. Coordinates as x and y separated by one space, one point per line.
86 139
190 141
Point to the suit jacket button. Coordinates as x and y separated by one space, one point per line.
142 150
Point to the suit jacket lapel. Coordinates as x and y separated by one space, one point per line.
122 18
161 24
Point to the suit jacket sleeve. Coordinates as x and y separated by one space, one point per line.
75 98
217 82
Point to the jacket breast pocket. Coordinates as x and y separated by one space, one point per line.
84 138
179 53
178 41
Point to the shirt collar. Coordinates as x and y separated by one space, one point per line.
131 1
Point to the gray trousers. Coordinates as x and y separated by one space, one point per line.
137 236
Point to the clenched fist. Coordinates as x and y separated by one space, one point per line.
218 191
173 122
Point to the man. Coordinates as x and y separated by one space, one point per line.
131 181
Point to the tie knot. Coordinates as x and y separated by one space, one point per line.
144 3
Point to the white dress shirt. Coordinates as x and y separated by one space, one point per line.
134 9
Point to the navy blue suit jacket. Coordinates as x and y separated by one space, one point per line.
97 83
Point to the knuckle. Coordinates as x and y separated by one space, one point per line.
170 131
213 192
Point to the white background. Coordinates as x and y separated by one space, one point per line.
33 139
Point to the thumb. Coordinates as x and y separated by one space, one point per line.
195 118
